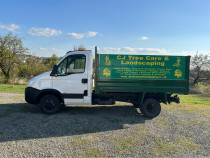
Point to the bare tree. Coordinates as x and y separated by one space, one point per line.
200 68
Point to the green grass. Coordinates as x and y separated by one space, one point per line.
162 148
12 88
192 103
130 141
187 144
203 99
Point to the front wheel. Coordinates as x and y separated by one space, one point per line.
150 108
50 104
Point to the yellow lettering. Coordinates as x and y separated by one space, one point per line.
130 57
119 57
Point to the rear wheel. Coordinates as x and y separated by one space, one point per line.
50 104
150 108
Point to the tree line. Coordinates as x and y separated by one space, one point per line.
17 63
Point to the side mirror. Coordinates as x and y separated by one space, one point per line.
54 70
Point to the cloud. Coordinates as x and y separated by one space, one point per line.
143 38
44 32
50 50
56 50
151 51
91 34
82 35
43 49
11 27
76 35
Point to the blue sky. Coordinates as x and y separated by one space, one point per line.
175 27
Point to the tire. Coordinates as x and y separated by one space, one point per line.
150 108
50 104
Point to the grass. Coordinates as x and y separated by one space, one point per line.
192 103
84 142
187 144
161 121
79 141
12 88
203 99
130 141
91 152
163 148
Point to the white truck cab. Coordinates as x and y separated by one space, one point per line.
70 82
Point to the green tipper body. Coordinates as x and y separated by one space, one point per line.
141 74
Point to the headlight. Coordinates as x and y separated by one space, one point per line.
31 82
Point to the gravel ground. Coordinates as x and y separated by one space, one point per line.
100 131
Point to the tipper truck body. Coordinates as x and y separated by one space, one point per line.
143 80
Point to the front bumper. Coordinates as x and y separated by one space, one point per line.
32 95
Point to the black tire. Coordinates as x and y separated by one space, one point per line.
150 108
50 104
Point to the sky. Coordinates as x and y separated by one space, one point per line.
173 27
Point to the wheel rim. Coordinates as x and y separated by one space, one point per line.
151 108
49 104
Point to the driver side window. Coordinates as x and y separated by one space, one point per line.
62 68
72 64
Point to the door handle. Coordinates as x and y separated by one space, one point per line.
84 80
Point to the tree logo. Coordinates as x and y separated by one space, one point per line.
177 64
107 72
178 73
108 62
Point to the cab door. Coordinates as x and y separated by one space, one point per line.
72 79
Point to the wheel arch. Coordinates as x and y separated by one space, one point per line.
52 92
161 97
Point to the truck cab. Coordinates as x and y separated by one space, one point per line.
69 82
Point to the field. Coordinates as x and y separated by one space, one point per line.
181 130
12 88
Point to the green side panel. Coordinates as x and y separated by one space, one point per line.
141 67
141 73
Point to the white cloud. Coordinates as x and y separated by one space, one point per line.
143 38
91 34
151 51
110 49
43 49
56 50
50 50
11 27
76 35
82 35
44 32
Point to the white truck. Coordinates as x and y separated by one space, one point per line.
144 81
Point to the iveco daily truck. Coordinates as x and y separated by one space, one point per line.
143 80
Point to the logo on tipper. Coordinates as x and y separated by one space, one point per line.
108 62
107 72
